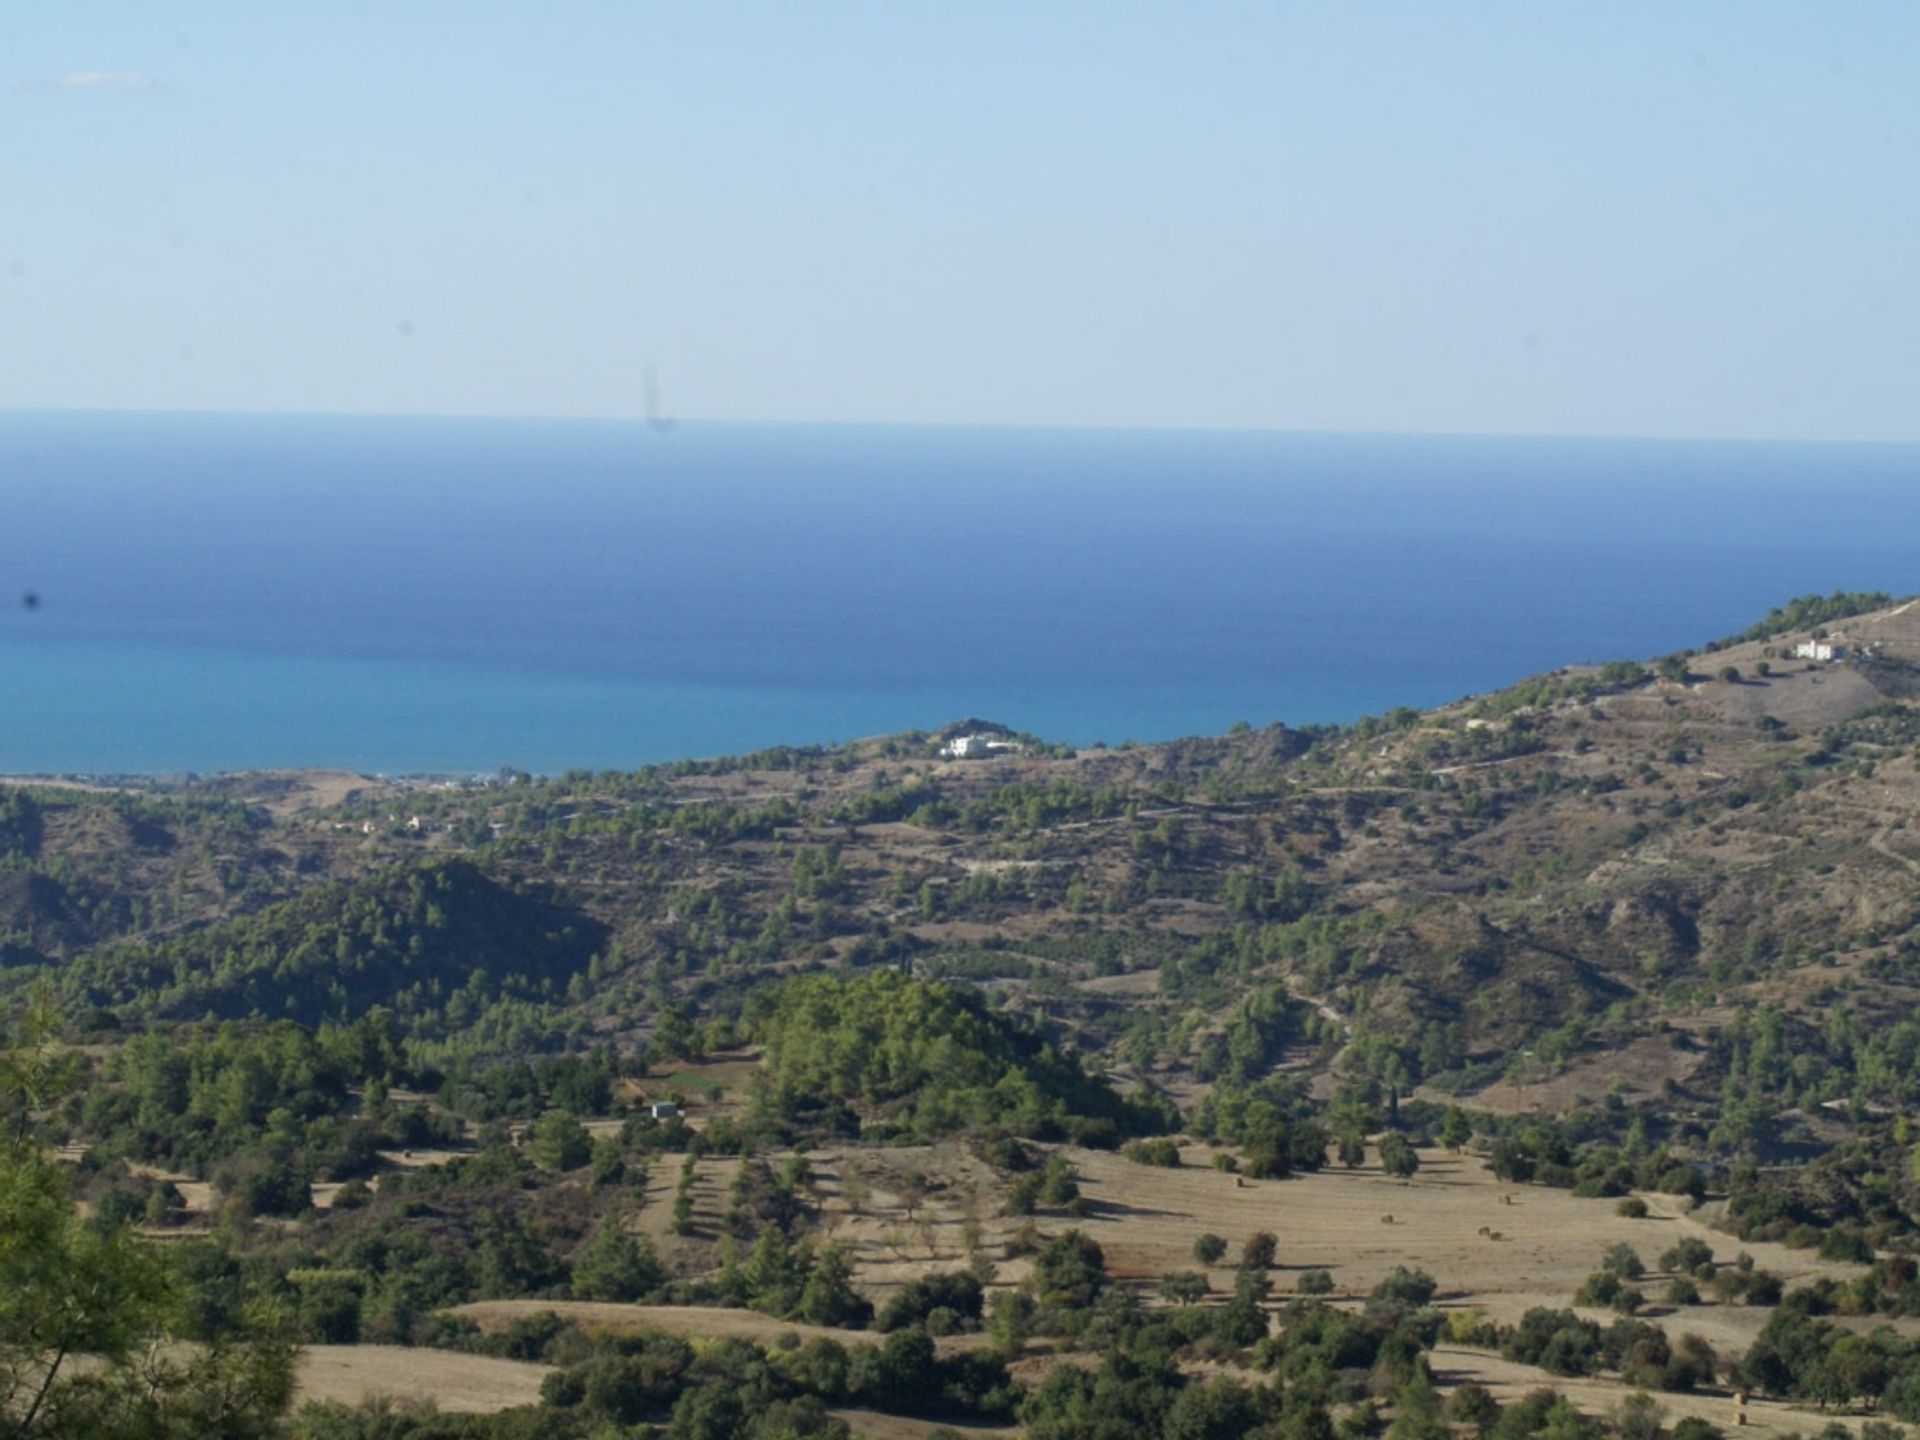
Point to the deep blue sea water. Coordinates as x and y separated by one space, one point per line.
399 595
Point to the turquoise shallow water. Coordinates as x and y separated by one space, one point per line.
452 595
100 708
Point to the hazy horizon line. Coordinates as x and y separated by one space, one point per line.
667 423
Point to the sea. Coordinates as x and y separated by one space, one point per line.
198 592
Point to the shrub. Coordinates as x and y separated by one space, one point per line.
1005 1152
1317 1281
1623 1260
1398 1157
1069 1272
1846 1243
1639 1417
1691 1365
1602 1287
1208 1249
1473 1406
1162 1152
1556 1340
1688 1257
1631 1208
958 1291
272 1190
1183 1286
1052 1186
1404 1288
352 1196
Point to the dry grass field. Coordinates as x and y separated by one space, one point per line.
872 1425
1548 1241
1358 1224
1361 1224
900 1212
355 1373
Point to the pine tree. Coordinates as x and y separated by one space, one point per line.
828 1297
616 1266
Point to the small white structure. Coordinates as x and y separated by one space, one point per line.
1818 650
664 1110
977 747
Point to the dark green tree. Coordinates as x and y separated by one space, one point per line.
560 1142
1398 1157
616 1266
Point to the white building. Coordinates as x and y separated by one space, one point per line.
977 747
664 1110
1818 650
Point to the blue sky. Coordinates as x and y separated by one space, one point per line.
1614 218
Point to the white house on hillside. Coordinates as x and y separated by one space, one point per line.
1818 650
976 747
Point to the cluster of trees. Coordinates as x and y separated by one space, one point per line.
1544 1152
1562 1343
405 941
1319 1357
22 820
1019 807
1801 1357
1774 1062
1273 1122
792 1279
90 1315
1317 950
1280 898
1050 1186
1889 1288
1026 806
886 1054
1689 1265
82 869
648 827
943 1303
1807 612
1259 1028
316 1102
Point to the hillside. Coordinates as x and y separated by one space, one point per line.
804 1030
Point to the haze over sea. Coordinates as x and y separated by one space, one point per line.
404 595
